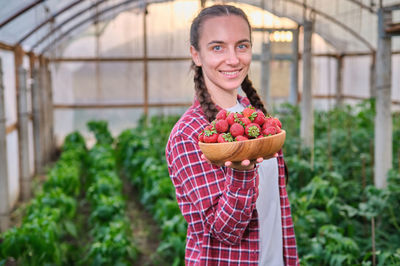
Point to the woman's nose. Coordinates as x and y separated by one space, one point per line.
232 58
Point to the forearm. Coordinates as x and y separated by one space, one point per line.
235 206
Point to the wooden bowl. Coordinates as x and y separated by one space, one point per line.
238 151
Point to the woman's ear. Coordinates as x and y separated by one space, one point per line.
195 56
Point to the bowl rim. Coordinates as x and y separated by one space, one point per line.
283 132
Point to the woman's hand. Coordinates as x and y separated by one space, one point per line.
244 165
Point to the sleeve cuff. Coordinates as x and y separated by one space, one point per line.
243 178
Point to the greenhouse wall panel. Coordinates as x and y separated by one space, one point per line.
31 149
324 75
170 28
170 82
122 36
9 87
13 167
117 82
356 76
396 78
63 124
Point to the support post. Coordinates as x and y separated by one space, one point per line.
307 115
37 121
23 120
265 71
145 65
294 70
339 81
383 118
372 76
43 113
50 112
4 190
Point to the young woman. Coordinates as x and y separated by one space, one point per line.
238 213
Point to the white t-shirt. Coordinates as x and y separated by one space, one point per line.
269 211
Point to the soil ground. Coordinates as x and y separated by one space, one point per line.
144 229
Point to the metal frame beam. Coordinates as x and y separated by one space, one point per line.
364 6
302 4
116 105
335 21
51 18
80 23
20 12
55 29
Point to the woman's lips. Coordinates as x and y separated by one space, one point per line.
230 74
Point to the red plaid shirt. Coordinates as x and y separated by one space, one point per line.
219 203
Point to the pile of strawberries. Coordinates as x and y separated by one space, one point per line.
248 124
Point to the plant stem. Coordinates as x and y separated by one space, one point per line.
373 241
363 175
371 152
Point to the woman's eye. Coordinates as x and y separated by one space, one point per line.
217 48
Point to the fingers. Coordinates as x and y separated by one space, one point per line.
246 162
205 158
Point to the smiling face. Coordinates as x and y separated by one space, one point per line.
224 53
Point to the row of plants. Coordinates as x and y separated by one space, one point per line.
340 217
48 221
111 236
141 158
56 230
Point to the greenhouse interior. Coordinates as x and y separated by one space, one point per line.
91 90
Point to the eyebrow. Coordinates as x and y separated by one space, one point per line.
219 42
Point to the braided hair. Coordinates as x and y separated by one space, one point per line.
202 94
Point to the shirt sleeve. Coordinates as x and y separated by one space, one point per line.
224 197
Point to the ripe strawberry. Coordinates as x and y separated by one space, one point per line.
252 130
278 123
260 118
210 136
240 138
248 111
225 137
201 136
236 129
221 126
222 114
244 121
269 122
209 127
233 117
260 136
269 131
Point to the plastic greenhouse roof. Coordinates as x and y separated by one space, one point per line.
350 26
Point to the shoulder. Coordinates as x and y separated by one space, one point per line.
189 125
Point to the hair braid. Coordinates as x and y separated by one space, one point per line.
252 95
208 106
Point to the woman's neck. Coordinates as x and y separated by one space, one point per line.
224 98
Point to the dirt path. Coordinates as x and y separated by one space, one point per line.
145 230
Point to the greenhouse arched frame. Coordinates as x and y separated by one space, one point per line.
48 44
